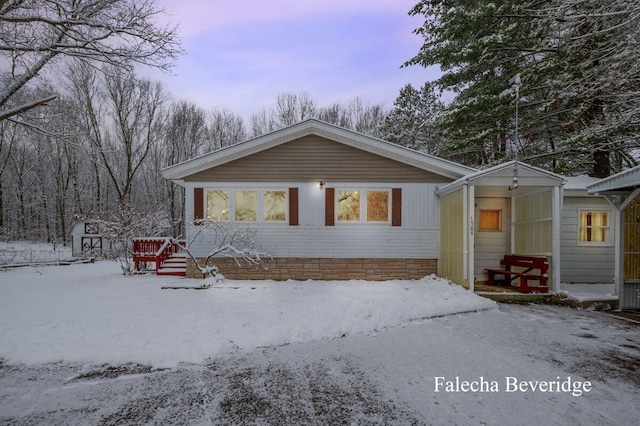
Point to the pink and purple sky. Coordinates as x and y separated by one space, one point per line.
242 53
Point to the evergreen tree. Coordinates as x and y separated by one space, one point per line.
412 121
577 60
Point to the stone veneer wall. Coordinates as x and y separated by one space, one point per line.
324 269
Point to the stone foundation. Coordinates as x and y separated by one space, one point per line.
324 269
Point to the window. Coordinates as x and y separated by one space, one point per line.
490 220
593 228
246 206
218 205
348 206
376 207
275 206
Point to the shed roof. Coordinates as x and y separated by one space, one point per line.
347 137
624 181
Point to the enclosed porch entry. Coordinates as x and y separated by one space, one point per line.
500 229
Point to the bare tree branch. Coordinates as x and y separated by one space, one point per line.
24 108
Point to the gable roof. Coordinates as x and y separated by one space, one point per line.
347 137
623 181
503 175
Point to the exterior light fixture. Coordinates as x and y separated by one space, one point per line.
321 185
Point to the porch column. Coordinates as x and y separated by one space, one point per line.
469 236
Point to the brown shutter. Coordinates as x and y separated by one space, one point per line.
198 204
329 207
396 207
293 207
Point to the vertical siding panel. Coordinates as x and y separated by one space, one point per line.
329 206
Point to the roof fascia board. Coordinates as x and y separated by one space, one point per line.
620 181
484 177
347 137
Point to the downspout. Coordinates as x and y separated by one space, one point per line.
465 252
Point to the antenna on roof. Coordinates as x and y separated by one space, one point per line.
516 84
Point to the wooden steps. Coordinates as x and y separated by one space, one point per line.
175 265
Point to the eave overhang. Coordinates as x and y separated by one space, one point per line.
178 172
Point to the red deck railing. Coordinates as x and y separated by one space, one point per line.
154 250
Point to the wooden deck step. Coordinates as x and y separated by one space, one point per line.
177 272
175 262
176 265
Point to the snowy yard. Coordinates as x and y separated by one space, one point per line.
82 344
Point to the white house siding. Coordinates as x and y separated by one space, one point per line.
580 264
416 238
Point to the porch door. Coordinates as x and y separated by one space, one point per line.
491 233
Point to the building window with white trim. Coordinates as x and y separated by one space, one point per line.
594 228
275 206
378 206
218 205
348 206
363 206
246 206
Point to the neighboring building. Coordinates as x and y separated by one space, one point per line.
622 190
588 235
87 240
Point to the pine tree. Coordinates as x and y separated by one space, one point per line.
578 62
412 121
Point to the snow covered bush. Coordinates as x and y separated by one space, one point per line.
121 226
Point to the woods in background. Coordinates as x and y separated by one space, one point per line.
82 133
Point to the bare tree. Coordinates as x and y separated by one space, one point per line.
185 132
226 240
263 122
116 32
123 115
225 129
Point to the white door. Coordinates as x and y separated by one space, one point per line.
491 233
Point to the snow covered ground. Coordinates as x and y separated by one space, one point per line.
91 313
82 344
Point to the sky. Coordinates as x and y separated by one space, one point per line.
240 54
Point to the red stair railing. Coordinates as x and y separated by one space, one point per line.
156 250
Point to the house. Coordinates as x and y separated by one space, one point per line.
325 202
622 190
330 203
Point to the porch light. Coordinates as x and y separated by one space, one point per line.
515 177
321 185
